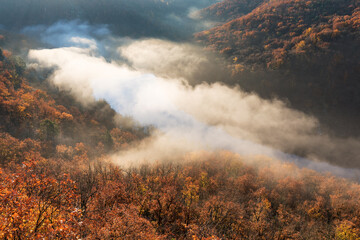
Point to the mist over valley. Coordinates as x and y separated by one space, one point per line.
148 112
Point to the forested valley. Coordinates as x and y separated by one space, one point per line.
57 181
281 73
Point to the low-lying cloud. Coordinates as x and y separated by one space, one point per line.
174 60
149 81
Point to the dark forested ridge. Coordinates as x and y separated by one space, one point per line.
304 51
57 180
230 9
136 18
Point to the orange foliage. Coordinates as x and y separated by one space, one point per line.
54 185
291 25
35 205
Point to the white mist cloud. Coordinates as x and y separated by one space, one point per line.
204 117
149 99
167 59
173 60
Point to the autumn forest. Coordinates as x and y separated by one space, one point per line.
233 119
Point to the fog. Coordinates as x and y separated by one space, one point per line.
150 81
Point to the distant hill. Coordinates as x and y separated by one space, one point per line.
306 51
135 18
230 9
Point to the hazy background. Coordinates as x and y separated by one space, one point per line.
171 19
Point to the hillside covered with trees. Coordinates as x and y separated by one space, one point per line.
230 9
57 180
305 51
